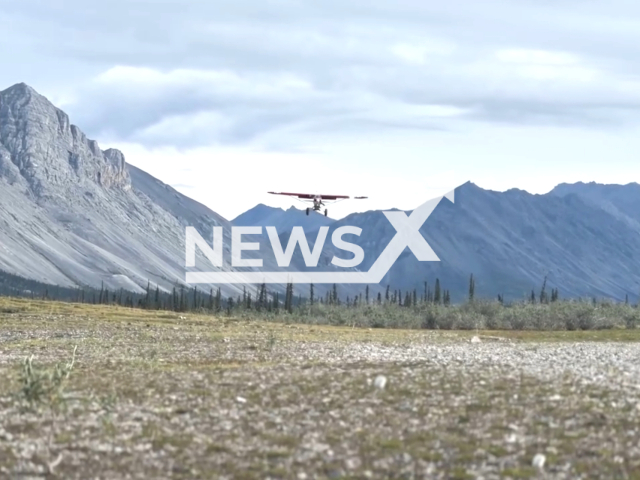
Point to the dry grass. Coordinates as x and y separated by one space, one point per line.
154 395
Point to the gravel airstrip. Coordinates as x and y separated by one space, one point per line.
156 395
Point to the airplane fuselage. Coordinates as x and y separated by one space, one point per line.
317 203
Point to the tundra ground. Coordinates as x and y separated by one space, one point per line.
157 395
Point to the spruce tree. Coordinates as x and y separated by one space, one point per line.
543 293
230 305
147 298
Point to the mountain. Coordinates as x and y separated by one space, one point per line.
75 215
620 201
582 237
284 220
511 240
72 214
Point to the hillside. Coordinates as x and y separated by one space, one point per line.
74 214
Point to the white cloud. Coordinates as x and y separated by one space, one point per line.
541 65
339 95
538 57
419 51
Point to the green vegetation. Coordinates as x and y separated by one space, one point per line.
431 310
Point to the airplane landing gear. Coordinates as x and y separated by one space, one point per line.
307 212
325 212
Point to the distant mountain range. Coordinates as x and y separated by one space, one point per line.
72 214
584 238
284 220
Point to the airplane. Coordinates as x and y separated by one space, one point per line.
318 200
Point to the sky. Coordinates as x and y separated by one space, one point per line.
398 101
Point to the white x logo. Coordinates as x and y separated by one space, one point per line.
407 235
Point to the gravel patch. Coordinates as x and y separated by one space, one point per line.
219 399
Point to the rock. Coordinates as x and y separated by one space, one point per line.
475 339
352 463
380 382
241 400
538 461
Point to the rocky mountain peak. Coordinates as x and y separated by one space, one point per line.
41 150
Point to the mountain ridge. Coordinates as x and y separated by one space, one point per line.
75 215
511 241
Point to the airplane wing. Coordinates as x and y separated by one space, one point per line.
333 197
299 195
310 196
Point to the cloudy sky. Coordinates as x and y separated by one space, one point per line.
398 100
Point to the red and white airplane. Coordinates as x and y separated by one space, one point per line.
318 200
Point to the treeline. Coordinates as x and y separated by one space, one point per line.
16 286
258 298
179 300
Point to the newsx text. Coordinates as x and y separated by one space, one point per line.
214 253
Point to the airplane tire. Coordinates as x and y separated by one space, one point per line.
307 211
325 212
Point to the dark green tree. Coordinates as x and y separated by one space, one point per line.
543 291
